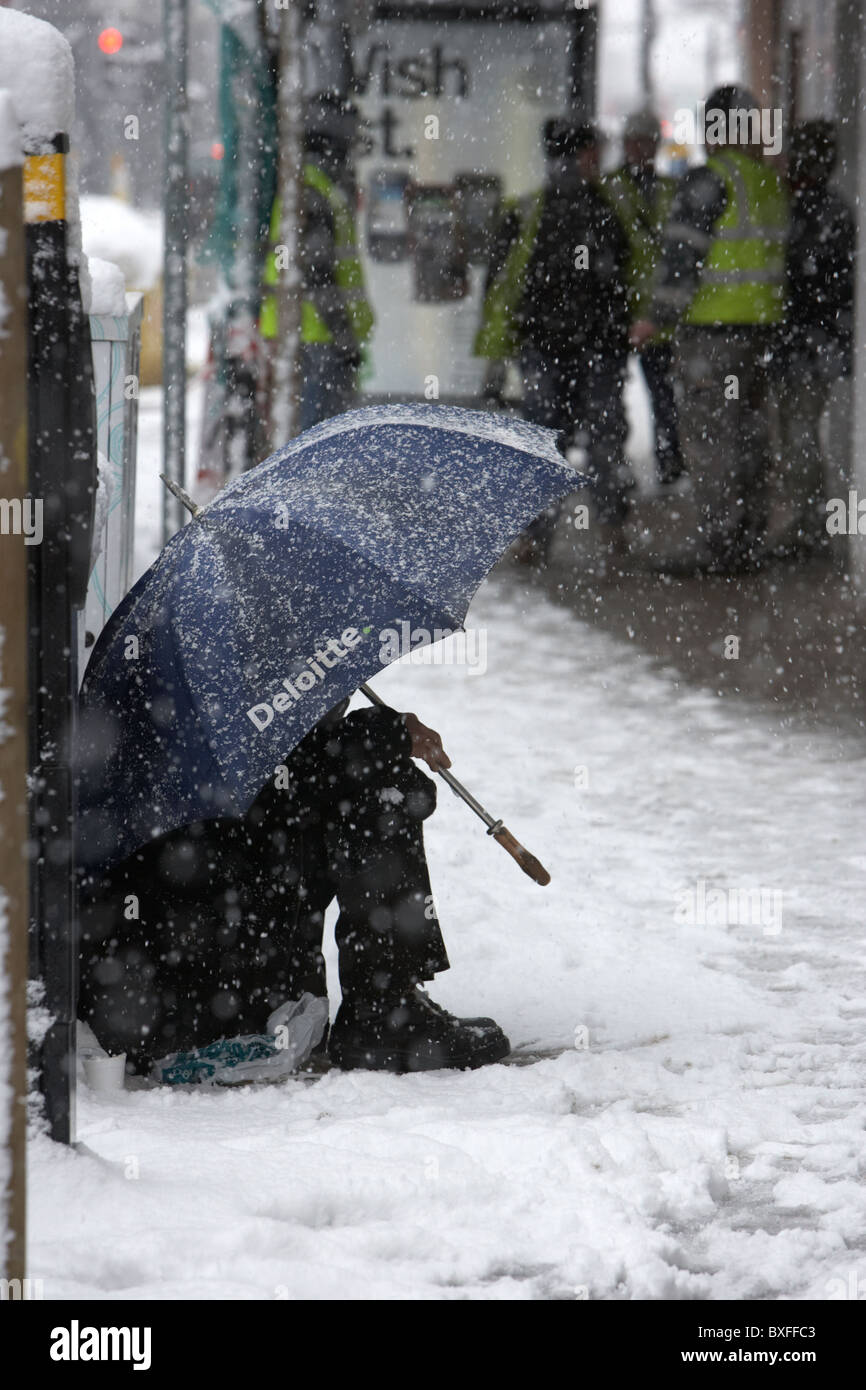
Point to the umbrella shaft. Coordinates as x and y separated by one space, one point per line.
181 496
467 796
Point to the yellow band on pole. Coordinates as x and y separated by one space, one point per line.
45 188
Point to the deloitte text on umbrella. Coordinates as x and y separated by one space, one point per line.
294 690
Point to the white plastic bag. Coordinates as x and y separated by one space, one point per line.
293 1030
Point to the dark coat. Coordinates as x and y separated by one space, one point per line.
819 287
569 313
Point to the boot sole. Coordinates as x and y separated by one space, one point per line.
387 1059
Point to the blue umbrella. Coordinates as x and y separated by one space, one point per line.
268 608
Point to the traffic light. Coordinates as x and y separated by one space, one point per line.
110 40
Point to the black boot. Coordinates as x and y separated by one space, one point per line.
408 1032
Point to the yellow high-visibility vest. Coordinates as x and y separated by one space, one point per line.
497 337
744 272
349 274
643 224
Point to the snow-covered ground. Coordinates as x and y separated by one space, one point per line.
697 1131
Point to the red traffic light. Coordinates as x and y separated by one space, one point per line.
110 40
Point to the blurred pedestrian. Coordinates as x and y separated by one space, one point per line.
560 306
573 324
817 334
721 282
642 200
336 316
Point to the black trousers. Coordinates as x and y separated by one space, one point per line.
203 933
656 361
584 397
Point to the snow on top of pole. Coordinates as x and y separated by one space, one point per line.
37 68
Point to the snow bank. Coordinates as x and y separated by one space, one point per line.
104 486
36 66
107 292
129 239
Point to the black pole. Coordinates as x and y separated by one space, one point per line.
176 40
62 478
290 111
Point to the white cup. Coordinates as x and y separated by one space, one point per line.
105 1073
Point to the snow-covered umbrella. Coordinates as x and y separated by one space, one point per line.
268 609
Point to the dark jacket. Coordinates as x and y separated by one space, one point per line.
819 289
569 312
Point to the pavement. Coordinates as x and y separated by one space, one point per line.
798 628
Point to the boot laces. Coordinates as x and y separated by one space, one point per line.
424 998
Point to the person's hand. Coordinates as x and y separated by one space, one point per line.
426 743
640 331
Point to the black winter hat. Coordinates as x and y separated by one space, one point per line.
731 97
563 137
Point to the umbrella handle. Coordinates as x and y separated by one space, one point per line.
528 862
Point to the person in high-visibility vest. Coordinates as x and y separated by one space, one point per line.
498 336
721 285
336 316
512 211
642 200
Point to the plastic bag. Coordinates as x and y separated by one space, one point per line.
294 1029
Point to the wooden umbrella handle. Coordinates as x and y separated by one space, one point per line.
528 862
